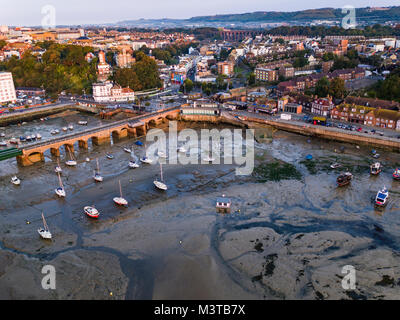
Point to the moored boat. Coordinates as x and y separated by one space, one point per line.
335 165
120 200
133 165
344 179
91 212
376 168
396 174
15 181
146 160
160 183
382 197
44 232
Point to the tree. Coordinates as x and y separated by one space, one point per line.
337 88
251 79
322 87
300 62
188 85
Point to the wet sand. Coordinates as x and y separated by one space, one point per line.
285 239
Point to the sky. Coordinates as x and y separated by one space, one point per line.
74 12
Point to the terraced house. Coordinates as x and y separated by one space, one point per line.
351 113
383 118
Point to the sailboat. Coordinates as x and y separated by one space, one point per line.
60 191
44 232
15 180
91 212
160 184
120 200
71 162
97 177
58 168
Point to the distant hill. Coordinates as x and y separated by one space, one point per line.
363 14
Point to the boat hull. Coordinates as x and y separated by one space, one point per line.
120 201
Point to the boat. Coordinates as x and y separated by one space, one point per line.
160 184
139 143
87 159
309 157
65 129
146 160
335 165
71 127
58 168
82 123
22 139
44 232
133 165
15 181
344 179
376 155
375 168
97 177
161 154
109 156
2 135
182 149
127 150
120 200
396 174
91 212
381 197
38 136
14 141
72 162
3 144
60 191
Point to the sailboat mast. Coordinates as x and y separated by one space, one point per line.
44 223
59 180
161 172
98 168
120 188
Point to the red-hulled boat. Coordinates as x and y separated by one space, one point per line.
396 174
91 212
344 179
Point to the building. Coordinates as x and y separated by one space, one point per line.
7 89
263 74
124 59
350 113
103 68
226 68
107 92
293 108
383 118
322 107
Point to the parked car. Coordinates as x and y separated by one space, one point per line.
359 129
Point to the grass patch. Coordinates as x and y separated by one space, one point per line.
276 171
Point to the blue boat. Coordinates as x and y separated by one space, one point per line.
138 143
309 157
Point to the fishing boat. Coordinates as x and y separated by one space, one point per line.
160 184
381 197
53 132
72 162
87 159
396 174
120 200
15 181
375 168
335 165
309 157
44 232
139 143
60 191
344 179
91 212
97 177
82 123
182 149
22 138
109 156
146 160
133 165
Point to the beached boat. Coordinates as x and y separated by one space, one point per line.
2 135
71 127
109 156
120 200
60 191
382 197
97 177
58 168
396 174
82 123
127 150
3 144
344 179
38 136
44 232
65 129
14 141
160 184
91 212
72 162
376 156
146 160
15 181
375 168
133 165
162 154
335 165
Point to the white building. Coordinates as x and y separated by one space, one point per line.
7 89
107 92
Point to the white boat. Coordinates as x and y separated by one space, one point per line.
45 232
161 154
58 168
335 165
127 150
82 123
109 156
2 135
120 200
376 168
3 144
87 159
71 127
146 160
91 212
97 177
64 129
382 197
38 136
160 184
72 162
133 165
60 191
15 181
182 149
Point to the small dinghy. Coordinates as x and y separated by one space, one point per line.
382 197
2 135
120 200
15 181
396 174
146 160
139 143
344 179
375 168
91 212
44 232
309 157
335 165
133 165
376 155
